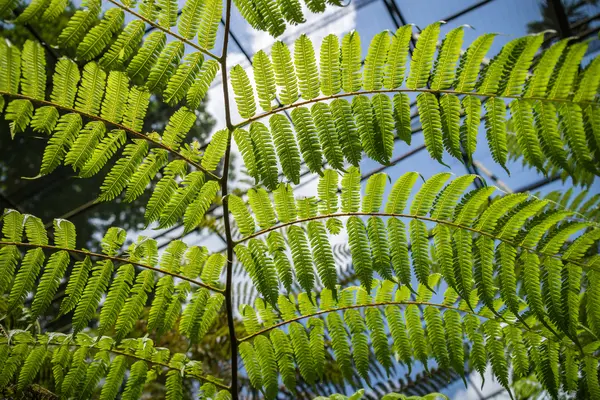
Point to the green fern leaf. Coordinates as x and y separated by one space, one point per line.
519 71
10 68
189 21
495 126
184 76
66 131
436 336
265 80
284 72
20 113
301 257
272 18
200 87
137 104
350 197
240 213
308 139
328 136
178 127
563 76
114 378
285 204
450 116
134 305
107 147
145 173
268 366
32 11
147 55
574 131
79 25
121 50
331 80
359 249
53 272
123 170
396 58
193 314
264 148
363 112
212 269
76 285
346 127
76 374
244 144
215 150
470 127
251 364
91 91
323 255
445 64
261 205
85 143
33 62
116 297
470 62
544 68
339 343
402 121
422 59
383 122
416 333
164 67
286 147
95 288
97 38
351 62
44 119
167 15
135 381
31 367
429 114
292 12
179 202
375 63
244 95
306 68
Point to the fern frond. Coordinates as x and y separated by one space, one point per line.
285 144
96 40
429 113
165 65
244 95
176 207
33 61
215 150
331 82
184 76
200 87
197 209
264 77
66 131
147 55
375 62
306 68
121 50
307 138
178 127
284 72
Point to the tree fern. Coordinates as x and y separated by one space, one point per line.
513 274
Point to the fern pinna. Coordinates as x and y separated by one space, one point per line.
442 277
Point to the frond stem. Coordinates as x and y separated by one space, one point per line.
411 216
117 125
423 90
112 258
224 191
165 30
377 304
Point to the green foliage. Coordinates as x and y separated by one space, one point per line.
447 276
